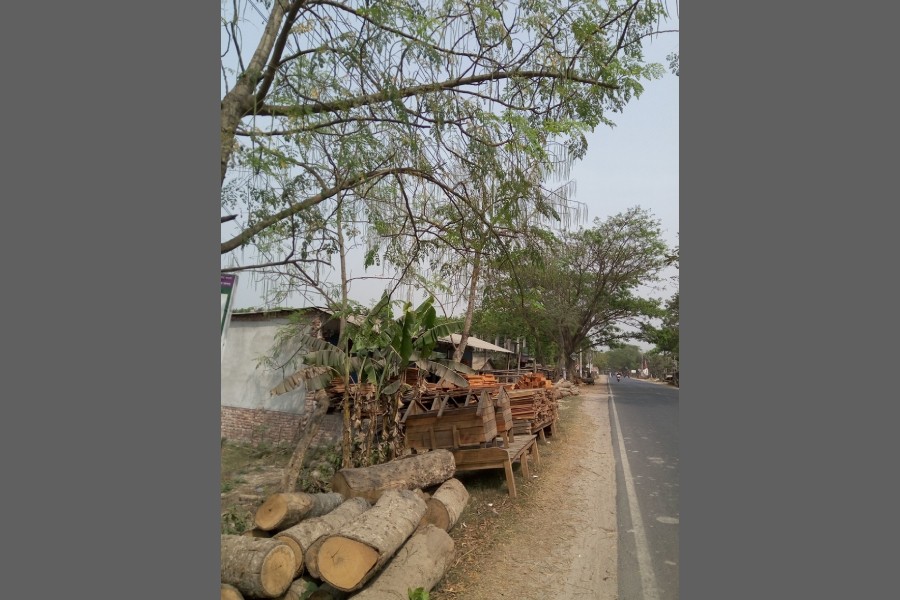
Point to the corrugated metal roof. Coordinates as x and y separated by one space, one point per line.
474 342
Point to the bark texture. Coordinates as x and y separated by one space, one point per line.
229 592
445 506
302 535
407 473
257 567
281 511
355 553
420 563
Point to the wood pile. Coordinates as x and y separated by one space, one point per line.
532 409
564 388
373 551
533 380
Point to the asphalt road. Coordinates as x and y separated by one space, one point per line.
644 421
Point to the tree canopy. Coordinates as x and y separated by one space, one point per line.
383 105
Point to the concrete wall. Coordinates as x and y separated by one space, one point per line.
244 385
249 413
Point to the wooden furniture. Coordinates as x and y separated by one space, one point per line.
523 449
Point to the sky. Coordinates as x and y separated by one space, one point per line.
632 164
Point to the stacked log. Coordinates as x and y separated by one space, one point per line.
420 563
564 388
257 567
281 511
400 543
302 535
409 473
350 557
446 505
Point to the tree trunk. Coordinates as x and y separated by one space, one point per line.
408 472
445 506
311 557
420 563
292 472
470 309
301 536
229 592
261 568
240 98
281 511
351 556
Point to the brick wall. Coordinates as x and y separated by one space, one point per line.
256 426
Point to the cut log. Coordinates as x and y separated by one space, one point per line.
302 535
353 555
311 558
420 563
445 506
406 473
257 567
281 511
229 592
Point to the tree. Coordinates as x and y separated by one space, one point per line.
579 288
363 98
623 358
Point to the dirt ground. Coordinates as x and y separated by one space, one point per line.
556 539
560 540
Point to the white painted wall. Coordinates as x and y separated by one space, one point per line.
243 384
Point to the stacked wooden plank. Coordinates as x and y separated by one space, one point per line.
533 380
532 409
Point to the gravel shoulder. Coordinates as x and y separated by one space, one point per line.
558 539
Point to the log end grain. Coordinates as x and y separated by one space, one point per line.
229 592
343 562
296 549
278 571
436 514
271 512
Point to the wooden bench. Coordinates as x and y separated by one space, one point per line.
522 449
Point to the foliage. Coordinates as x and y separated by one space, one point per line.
665 337
418 594
579 289
623 358
402 108
381 346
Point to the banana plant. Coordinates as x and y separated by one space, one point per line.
381 348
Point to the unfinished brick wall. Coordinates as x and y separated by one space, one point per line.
257 426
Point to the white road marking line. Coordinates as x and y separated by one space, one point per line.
642 548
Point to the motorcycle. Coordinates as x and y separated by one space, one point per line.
618 378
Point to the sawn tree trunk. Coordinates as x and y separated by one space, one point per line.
281 511
257 567
355 553
407 473
420 563
301 536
